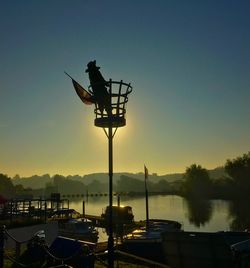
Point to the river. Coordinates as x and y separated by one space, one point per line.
198 215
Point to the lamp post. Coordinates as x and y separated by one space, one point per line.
110 122
110 99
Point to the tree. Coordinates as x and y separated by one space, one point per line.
68 186
162 186
238 170
6 186
97 186
197 182
49 189
128 184
223 188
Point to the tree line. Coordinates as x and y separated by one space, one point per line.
234 185
196 183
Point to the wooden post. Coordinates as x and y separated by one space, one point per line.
11 209
2 232
29 208
83 208
118 200
45 211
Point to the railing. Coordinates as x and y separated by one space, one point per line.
41 243
100 257
130 258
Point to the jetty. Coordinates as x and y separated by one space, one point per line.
40 208
98 221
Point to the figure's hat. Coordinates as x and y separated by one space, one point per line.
92 66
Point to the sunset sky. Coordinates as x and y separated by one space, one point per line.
188 63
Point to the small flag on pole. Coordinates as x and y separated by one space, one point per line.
82 93
146 172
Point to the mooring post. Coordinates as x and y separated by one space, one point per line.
118 200
83 208
2 234
45 211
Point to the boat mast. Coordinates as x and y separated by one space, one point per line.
146 197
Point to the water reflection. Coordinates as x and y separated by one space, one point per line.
240 215
201 215
199 211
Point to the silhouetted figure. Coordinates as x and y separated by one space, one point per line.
98 85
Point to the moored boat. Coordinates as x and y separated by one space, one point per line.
73 253
205 249
64 215
120 215
81 229
72 225
146 241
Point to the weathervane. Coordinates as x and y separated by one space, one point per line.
110 98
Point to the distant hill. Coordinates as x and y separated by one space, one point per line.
34 182
103 177
38 182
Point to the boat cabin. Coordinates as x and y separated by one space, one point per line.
121 214
65 215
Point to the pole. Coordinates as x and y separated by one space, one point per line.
45 211
118 200
146 197
2 232
110 227
147 216
83 208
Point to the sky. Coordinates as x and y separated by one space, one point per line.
187 61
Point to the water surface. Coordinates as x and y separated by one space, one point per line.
198 215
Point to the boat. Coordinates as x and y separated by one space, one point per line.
61 252
64 215
73 253
72 225
81 229
121 215
206 249
146 241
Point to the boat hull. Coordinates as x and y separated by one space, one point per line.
146 248
201 249
80 229
90 237
146 242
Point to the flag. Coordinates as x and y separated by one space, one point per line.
83 94
145 172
